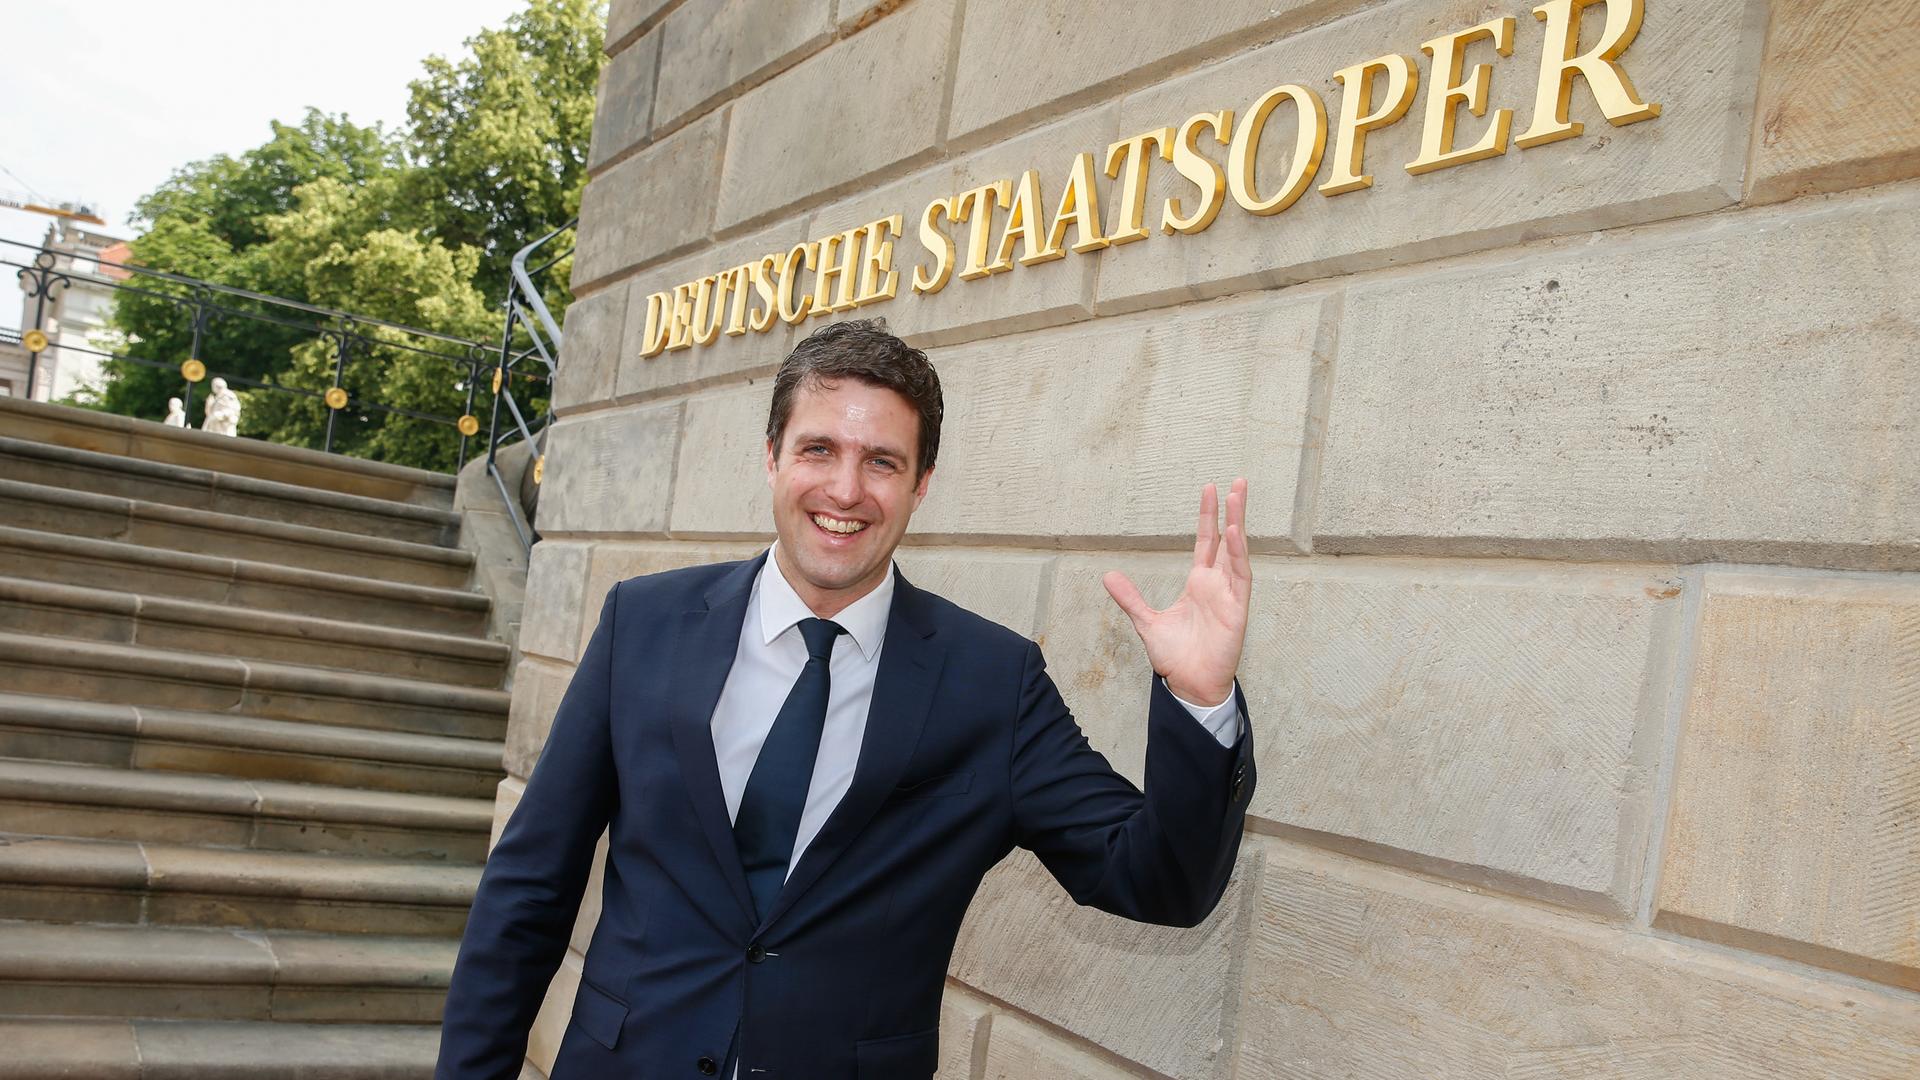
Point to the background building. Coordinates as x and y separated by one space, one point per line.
1585 666
73 316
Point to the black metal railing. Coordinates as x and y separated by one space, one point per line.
527 320
349 356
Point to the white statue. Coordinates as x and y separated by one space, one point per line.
223 410
176 413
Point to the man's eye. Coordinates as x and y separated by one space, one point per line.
883 463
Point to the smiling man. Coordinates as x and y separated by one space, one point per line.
805 765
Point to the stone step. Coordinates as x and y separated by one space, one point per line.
248 747
110 517
170 679
50 798
149 440
204 489
57 879
239 583
76 611
40 1049
180 973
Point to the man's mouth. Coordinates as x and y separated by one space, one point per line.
841 526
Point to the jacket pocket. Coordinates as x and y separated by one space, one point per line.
599 1014
899 1057
933 787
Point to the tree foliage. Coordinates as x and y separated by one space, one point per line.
412 227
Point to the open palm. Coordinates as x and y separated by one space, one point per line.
1195 642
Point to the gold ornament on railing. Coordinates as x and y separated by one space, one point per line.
498 373
539 468
34 340
337 398
193 371
469 425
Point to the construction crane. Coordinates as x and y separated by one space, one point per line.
70 211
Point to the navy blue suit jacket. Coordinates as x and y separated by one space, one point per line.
968 751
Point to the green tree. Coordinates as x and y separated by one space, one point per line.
414 227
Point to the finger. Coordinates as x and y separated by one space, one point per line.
1239 562
1237 503
1206 542
1128 596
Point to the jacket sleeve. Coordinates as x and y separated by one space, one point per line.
1163 856
529 894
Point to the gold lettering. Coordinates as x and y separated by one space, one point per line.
839 265
939 244
1356 121
1446 93
654 341
1201 171
876 263
704 303
679 321
1133 189
761 272
977 206
1023 225
1611 87
1309 146
792 310
735 281
1080 207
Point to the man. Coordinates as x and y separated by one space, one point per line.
806 765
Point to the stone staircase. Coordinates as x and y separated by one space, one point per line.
250 729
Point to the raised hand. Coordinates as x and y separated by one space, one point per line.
1195 643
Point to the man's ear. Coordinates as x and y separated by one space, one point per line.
772 465
920 489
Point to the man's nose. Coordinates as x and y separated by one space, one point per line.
844 486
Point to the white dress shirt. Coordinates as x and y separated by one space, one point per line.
768 660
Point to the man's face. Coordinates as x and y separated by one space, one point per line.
843 489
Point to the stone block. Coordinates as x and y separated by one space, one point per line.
624 17
538 686
1024 298
881 91
614 563
714 46
1839 98
1020 59
965 1019
1495 723
1793 826
1020 1050
506 800
1001 586
655 203
550 626
1599 403
1356 970
591 354
624 102
610 471
1698 61
556 1009
1163 997
1108 429
721 491
727 357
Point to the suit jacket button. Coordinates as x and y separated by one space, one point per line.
707 1066
756 953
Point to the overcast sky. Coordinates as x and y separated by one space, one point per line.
103 99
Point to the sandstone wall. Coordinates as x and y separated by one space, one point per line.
1585 664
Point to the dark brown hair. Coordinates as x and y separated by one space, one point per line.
861 349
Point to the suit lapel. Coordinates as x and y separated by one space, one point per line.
704 643
903 688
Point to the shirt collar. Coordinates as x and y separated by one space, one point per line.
864 620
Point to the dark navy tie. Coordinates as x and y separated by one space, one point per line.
770 808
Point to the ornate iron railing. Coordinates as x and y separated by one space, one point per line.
528 319
47 272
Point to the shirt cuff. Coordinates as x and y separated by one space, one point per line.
1222 721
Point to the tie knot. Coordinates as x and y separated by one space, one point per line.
819 635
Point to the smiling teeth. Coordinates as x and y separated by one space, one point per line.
838 526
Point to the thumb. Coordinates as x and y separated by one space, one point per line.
1127 595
